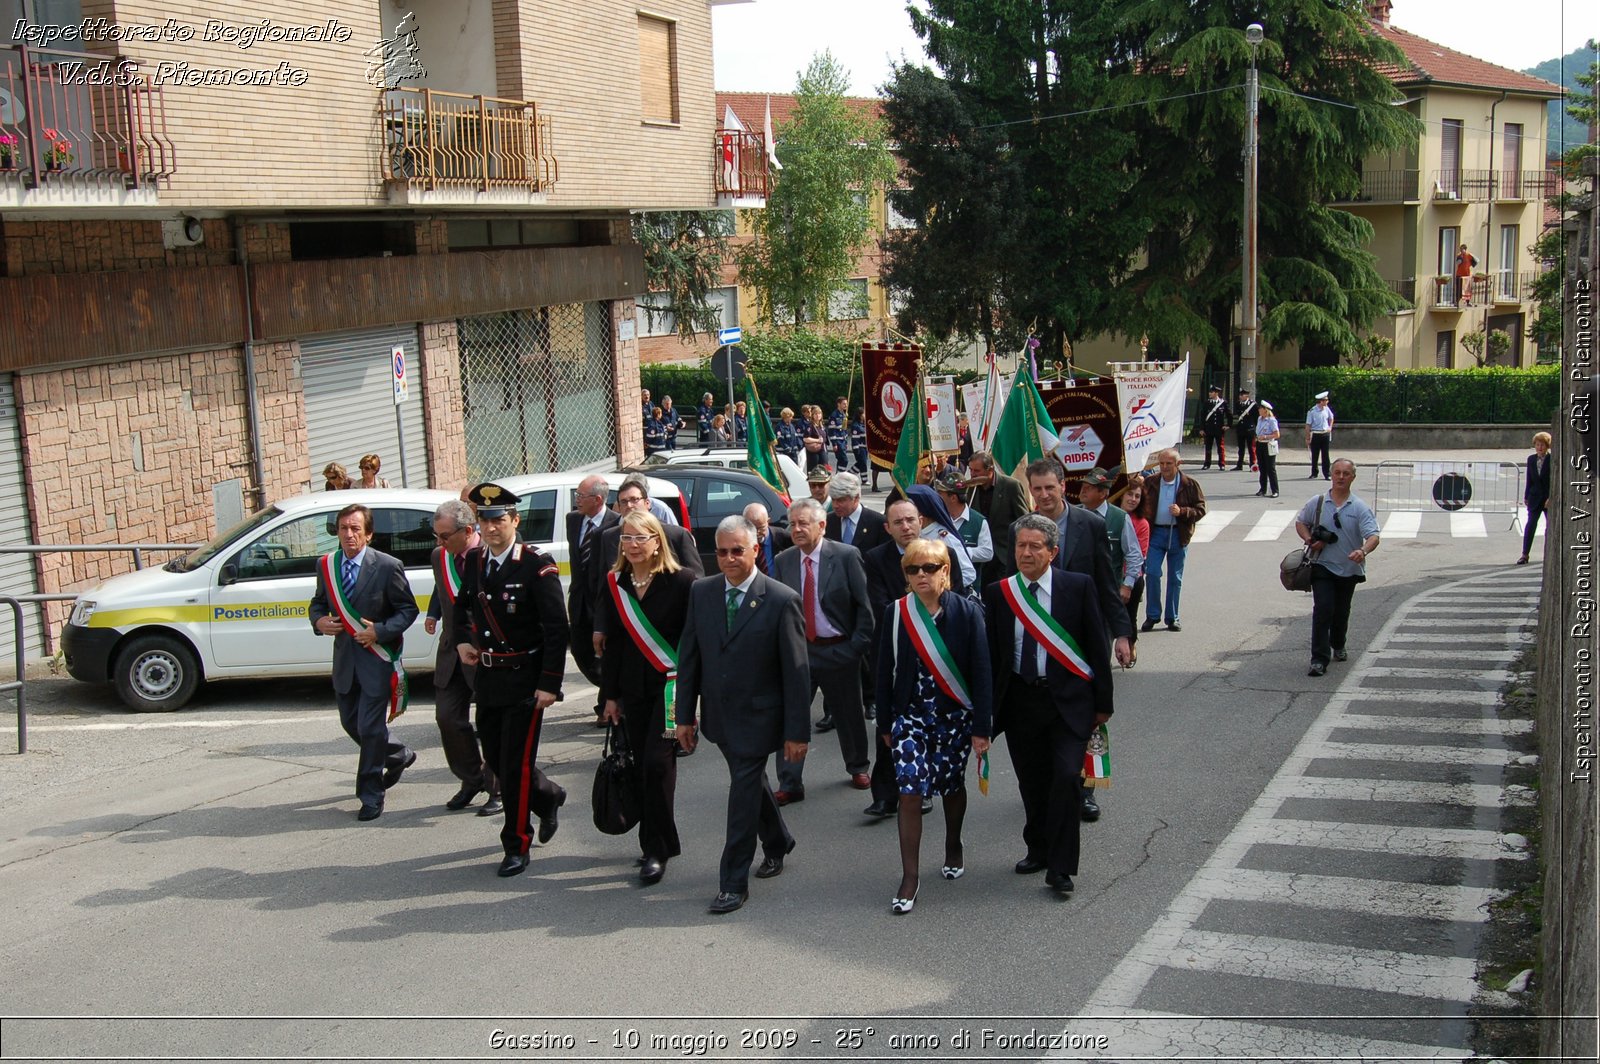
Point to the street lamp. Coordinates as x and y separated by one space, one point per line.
1253 35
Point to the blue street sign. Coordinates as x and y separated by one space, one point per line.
730 336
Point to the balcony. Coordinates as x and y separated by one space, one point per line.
1386 186
453 149
1405 288
1446 296
1502 186
80 130
741 169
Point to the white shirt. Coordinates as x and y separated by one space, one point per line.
1017 631
983 550
824 629
969 573
503 555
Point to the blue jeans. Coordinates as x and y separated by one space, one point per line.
1165 543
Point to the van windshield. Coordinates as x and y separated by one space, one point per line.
198 558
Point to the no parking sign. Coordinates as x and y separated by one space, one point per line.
399 359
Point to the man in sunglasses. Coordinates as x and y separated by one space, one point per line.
1341 530
742 666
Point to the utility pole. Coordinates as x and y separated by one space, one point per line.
1253 35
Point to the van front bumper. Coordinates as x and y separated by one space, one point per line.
88 652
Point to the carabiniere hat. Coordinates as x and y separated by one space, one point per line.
493 501
1098 478
1215 388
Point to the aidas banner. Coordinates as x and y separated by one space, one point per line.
1087 425
889 372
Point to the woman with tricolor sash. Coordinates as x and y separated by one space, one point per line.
646 600
933 682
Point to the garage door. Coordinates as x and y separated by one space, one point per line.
350 409
16 570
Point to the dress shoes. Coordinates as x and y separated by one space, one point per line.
869 711
1148 626
1059 882
678 750
1274 495
1317 669
880 809
789 797
652 870
823 725
927 806
901 906
772 863
1261 495
1090 809
1340 655
1029 865
861 781
462 798
493 807
1522 560
391 775
726 902
1174 626
514 865
549 823
370 812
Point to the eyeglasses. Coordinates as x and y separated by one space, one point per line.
633 500
731 552
631 538
926 568
445 537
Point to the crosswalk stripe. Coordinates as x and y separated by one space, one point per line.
1403 525
1466 525
1497 676
1474 653
1368 790
1215 521
1454 725
1345 894
1479 609
1381 694
1459 843
1270 525
1509 639
1136 1034
1429 755
1447 621
1263 957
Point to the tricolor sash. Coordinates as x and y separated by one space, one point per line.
1097 759
929 645
451 573
656 650
339 606
1045 629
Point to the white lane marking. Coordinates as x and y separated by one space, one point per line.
1270 525
1495 676
1212 524
1515 638
1451 698
1473 652
1366 790
1453 621
1403 525
1341 893
1479 608
1137 1034
1429 755
1458 843
311 717
1453 725
1467 525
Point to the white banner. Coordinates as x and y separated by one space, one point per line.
1152 413
985 401
941 393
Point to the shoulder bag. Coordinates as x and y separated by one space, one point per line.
1295 569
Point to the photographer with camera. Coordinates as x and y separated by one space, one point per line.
1340 529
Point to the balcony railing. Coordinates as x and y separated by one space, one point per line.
741 164
77 115
1386 186
1452 293
1405 288
1479 186
448 140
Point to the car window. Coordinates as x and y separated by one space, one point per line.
406 534
539 517
291 549
718 498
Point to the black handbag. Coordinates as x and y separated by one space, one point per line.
1295 569
615 798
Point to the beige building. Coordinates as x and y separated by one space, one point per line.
224 225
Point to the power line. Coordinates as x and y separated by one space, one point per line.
1101 110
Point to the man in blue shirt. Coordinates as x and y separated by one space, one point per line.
1341 531
1319 435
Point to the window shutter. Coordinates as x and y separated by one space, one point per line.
658 75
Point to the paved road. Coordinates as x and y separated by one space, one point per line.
1275 844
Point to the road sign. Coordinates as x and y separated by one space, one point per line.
728 363
730 336
399 358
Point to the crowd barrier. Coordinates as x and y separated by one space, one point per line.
1449 486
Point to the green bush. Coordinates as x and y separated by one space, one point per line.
1489 395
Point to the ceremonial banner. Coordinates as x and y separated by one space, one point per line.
1088 430
760 451
1024 432
912 454
942 430
1154 420
889 375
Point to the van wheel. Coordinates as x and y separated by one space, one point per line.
156 674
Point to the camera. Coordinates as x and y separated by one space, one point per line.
1323 534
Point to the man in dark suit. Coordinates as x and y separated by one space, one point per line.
1536 491
367 613
455 529
770 542
1050 693
742 660
1001 500
585 523
850 522
832 585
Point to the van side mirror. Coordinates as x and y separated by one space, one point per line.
228 575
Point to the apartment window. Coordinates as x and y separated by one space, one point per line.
473 233
658 69
1450 158
848 302
1449 244
1506 281
1511 179
655 320
894 219
1444 348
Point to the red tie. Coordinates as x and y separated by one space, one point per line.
809 600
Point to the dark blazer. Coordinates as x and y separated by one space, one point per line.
960 624
446 661
887 582
752 681
1537 491
871 529
383 596
680 539
583 583
1191 502
777 542
841 595
1085 549
1072 602
625 673
1000 505
525 595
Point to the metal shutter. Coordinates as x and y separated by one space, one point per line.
17 571
350 411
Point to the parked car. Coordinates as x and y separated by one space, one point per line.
547 497
794 477
714 492
237 607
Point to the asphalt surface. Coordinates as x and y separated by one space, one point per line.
205 870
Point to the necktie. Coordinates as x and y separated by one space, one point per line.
583 533
350 570
847 529
494 566
761 554
733 606
809 597
1030 646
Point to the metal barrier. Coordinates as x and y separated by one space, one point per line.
20 684
1454 487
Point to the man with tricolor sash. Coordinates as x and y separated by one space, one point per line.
365 603
1051 662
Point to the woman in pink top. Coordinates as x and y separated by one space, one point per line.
1132 496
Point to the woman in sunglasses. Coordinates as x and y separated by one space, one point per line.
644 604
933 682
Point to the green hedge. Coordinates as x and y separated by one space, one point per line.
1488 396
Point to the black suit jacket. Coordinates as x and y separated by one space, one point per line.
1072 602
887 582
960 624
583 582
778 540
1085 549
678 538
382 595
1537 491
446 660
625 673
871 529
